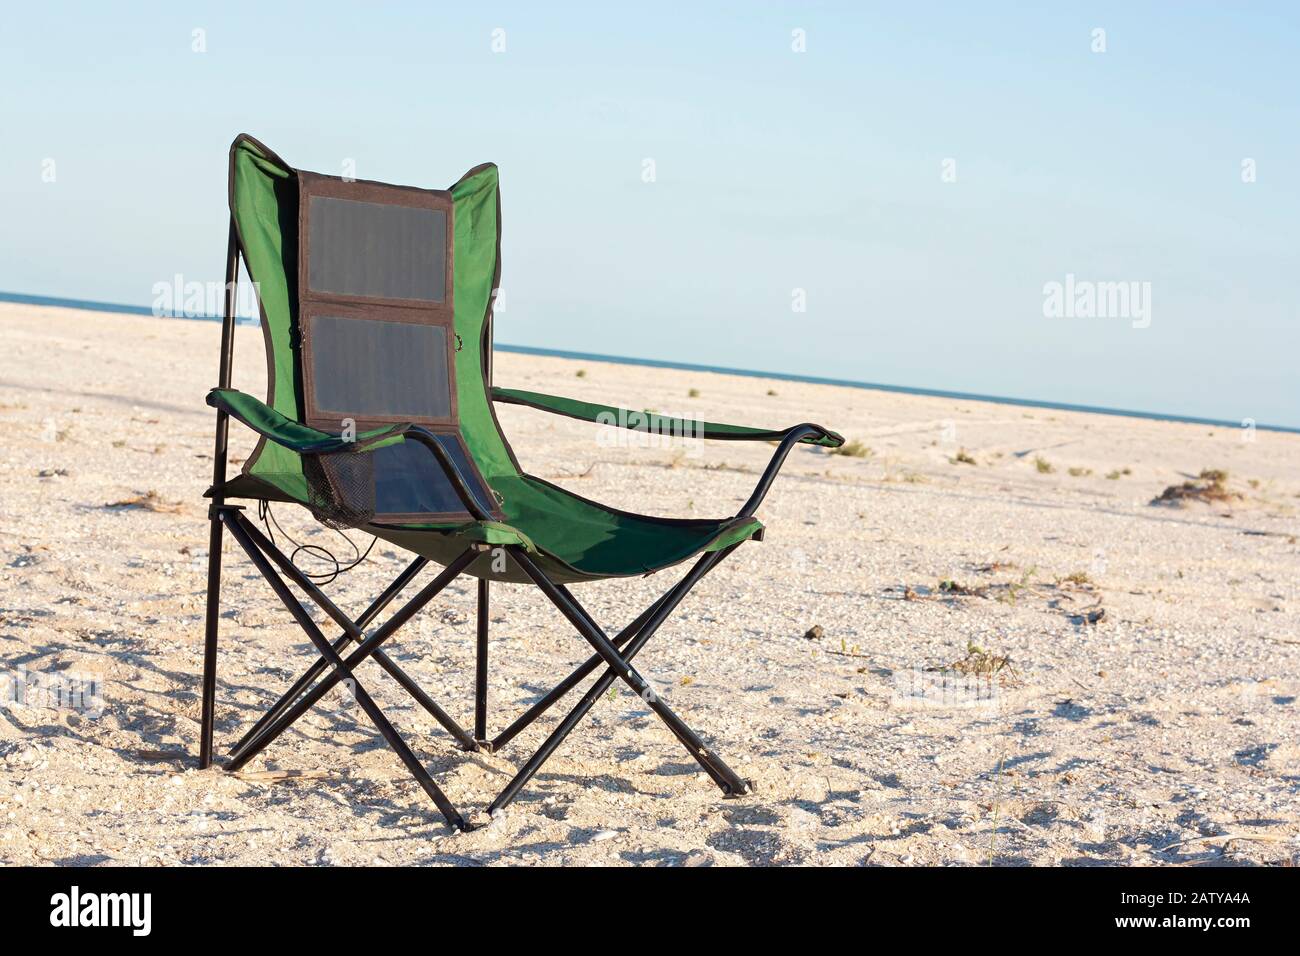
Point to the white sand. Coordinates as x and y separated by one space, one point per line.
1172 719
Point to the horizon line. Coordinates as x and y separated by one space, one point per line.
89 305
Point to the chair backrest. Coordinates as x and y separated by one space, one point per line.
376 307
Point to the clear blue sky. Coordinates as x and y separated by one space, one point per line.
775 170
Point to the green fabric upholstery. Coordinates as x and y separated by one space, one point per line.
287 433
574 539
593 539
477 268
652 422
494 534
264 204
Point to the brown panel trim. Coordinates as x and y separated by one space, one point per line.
418 311
333 187
328 419
314 303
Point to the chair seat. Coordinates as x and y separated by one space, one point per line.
599 540
577 539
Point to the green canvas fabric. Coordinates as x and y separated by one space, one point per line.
264 203
653 422
494 534
577 539
594 538
574 539
476 269
599 540
303 439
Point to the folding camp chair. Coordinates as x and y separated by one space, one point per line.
376 309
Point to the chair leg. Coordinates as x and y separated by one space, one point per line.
342 671
591 623
207 717
353 632
481 668
362 651
220 439
619 668
570 682
309 676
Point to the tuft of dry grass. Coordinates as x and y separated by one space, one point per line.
956 587
1062 594
149 501
693 393
1209 486
1080 472
963 457
1013 588
1044 466
853 449
981 663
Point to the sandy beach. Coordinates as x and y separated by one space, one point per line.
977 642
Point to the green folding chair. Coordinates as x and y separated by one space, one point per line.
376 309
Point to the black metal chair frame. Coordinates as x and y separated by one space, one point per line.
616 653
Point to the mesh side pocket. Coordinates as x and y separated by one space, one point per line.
341 488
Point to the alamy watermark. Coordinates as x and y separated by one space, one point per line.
1086 299
133 911
76 691
180 299
921 689
649 430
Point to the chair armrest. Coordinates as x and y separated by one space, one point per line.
662 424
793 437
304 439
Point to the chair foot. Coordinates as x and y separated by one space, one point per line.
484 746
747 787
729 782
